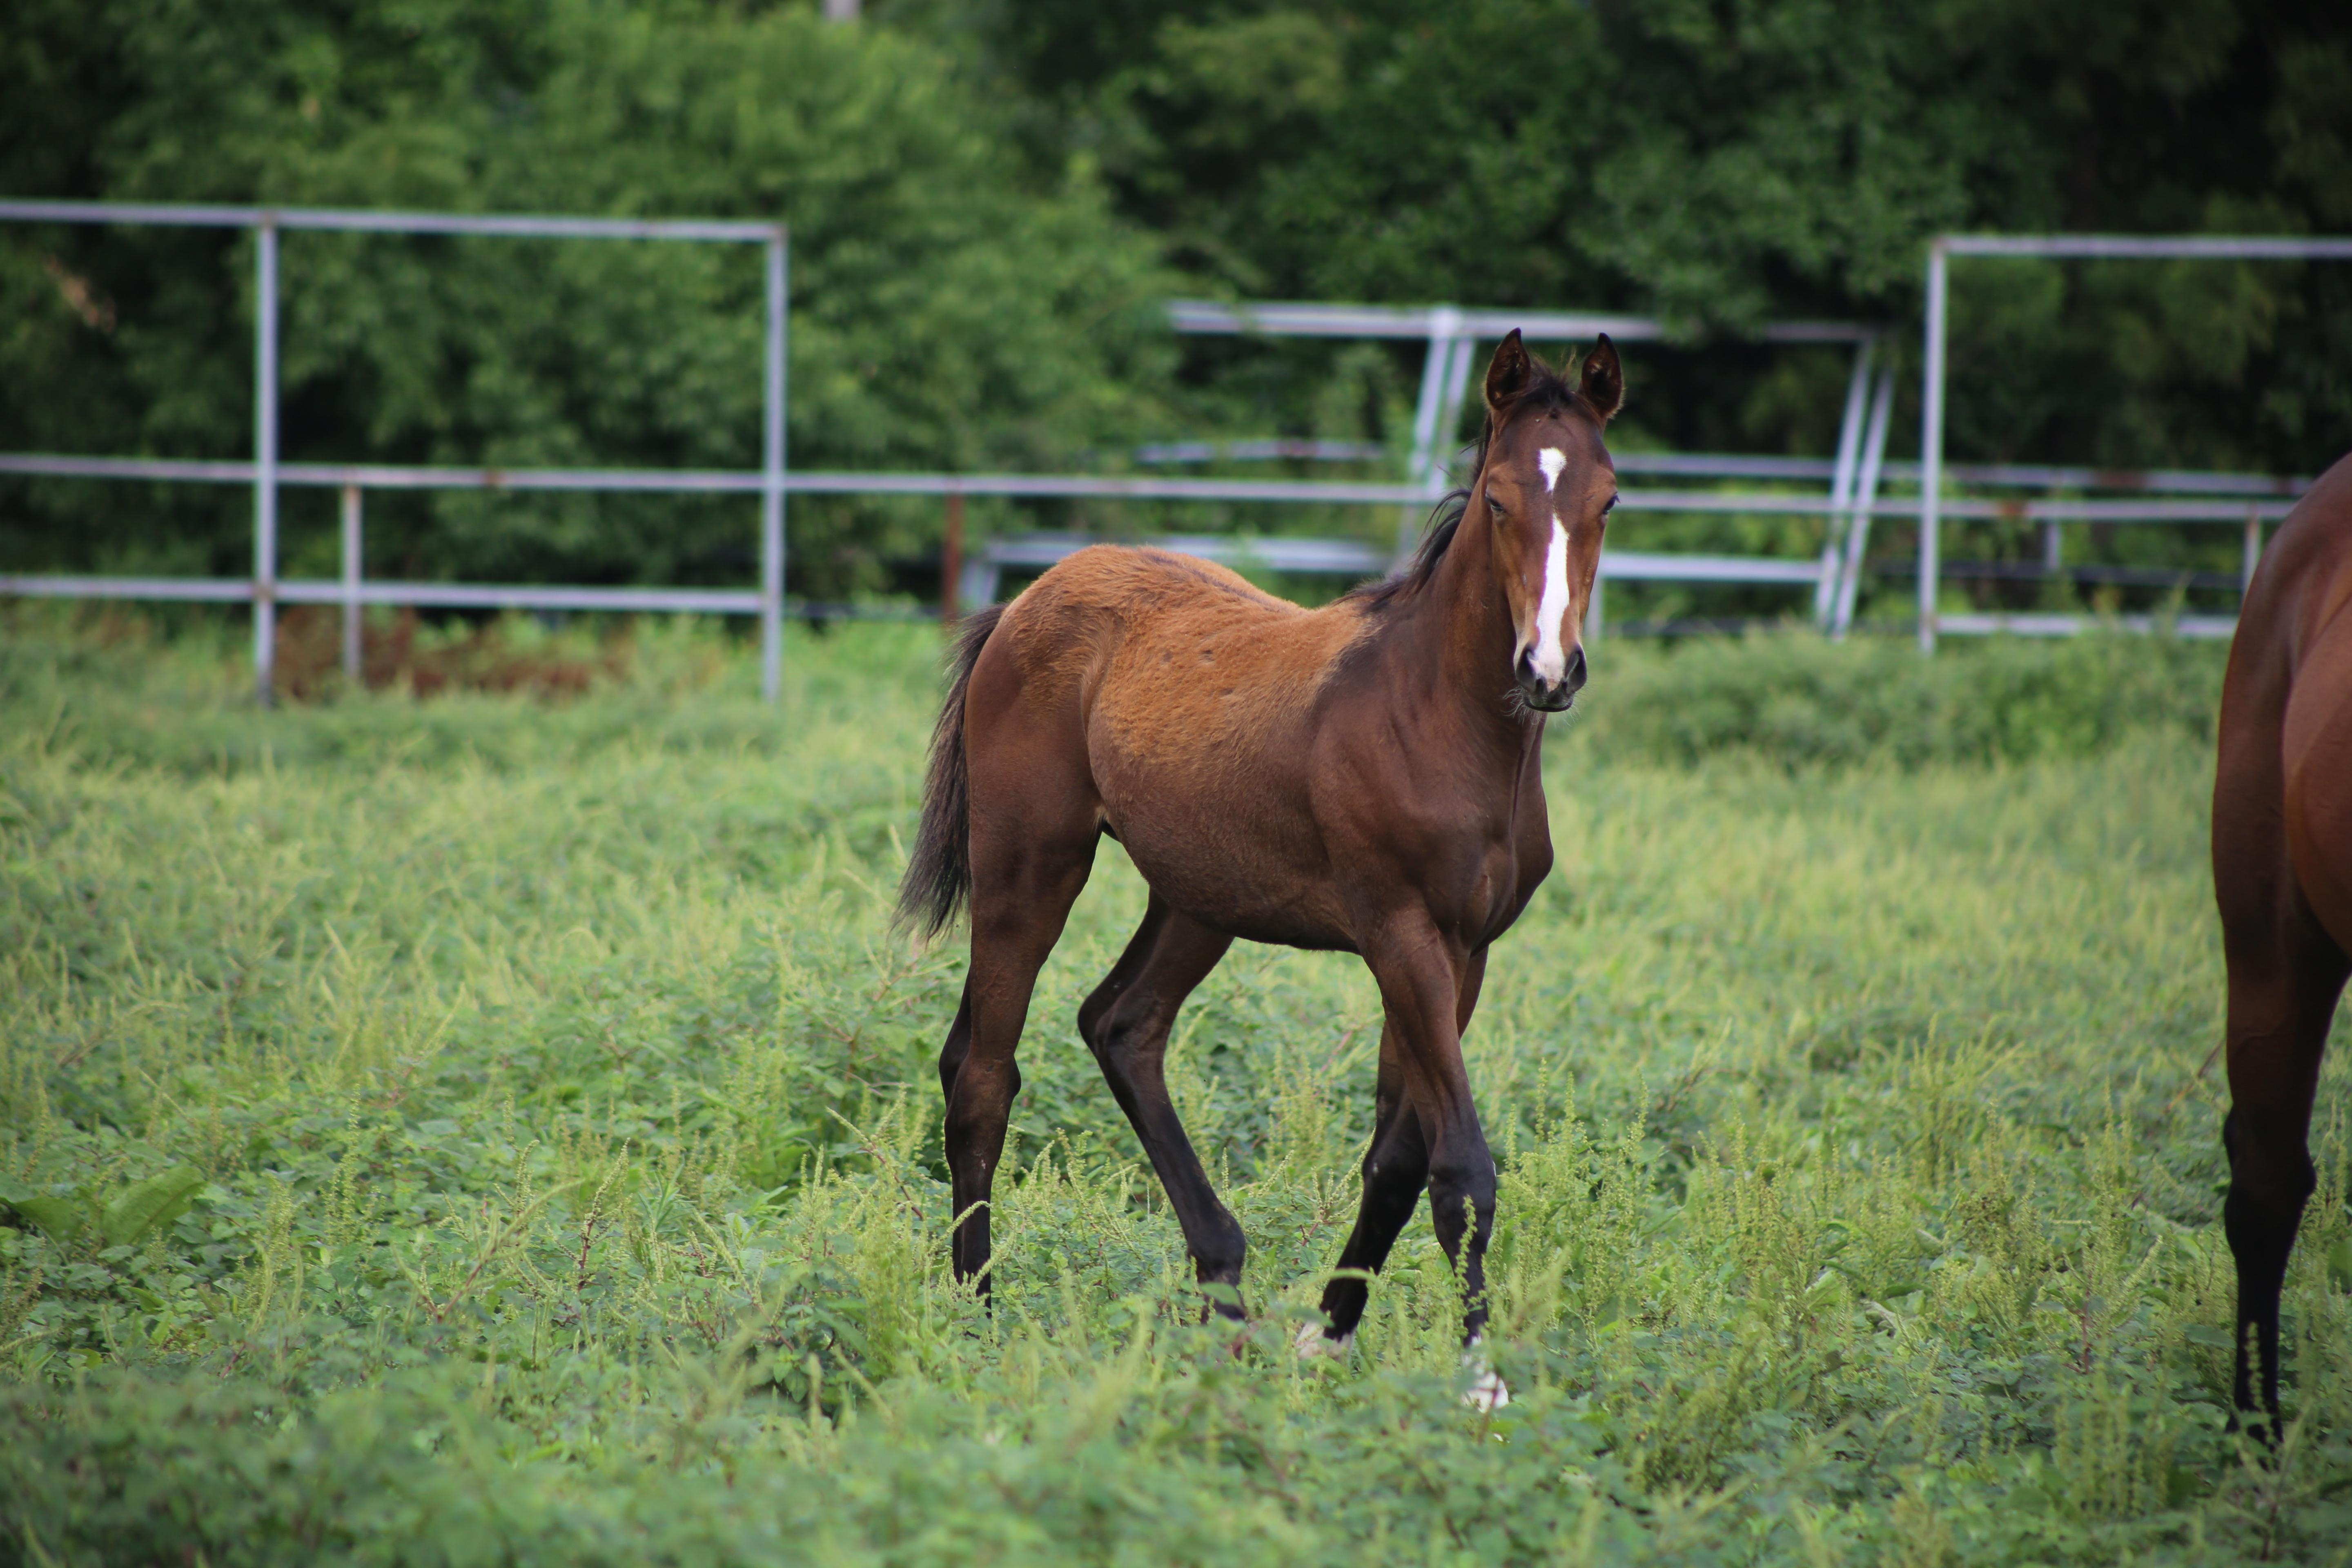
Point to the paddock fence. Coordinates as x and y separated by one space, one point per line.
1851 503
1934 506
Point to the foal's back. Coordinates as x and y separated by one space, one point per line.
1170 660
1150 627
1192 702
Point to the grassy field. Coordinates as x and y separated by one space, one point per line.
470 1130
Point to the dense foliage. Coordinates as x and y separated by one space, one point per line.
1800 701
988 197
470 1132
1727 164
949 312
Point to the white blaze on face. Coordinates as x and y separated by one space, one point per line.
1550 660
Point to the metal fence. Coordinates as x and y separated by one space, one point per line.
266 473
1856 475
1851 503
1452 334
1934 506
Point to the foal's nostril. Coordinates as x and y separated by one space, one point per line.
1574 678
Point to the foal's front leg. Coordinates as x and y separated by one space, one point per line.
1396 1166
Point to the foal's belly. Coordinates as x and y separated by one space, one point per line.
1239 858
1218 816
1253 888
1246 853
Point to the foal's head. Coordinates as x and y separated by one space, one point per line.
1547 485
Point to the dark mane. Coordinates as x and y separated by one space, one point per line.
1549 391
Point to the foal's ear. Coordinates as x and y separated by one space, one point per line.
1508 374
1604 380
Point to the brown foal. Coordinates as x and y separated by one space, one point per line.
1362 778
2282 876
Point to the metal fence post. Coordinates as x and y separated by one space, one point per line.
1449 417
264 461
1842 473
1863 498
1436 379
354 667
1931 444
2252 556
772 493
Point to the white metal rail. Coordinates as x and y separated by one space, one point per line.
1454 332
1934 506
1301 320
983 575
1854 475
266 473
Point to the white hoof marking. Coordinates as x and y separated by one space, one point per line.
1313 1344
1487 1393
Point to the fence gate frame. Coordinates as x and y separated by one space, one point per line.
268 473
1454 332
1933 507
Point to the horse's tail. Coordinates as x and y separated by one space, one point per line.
939 875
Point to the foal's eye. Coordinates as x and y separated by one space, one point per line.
1493 504
1610 508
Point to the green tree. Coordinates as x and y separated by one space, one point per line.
950 310
1723 163
988 197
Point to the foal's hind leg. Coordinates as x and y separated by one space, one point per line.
1125 1023
1029 864
1396 1165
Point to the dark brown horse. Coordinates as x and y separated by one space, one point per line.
1362 778
2283 875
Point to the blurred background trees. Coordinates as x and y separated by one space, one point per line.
951 310
989 198
1725 163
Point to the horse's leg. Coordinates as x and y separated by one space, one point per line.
958 1044
1423 982
1125 1023
1029 865
2280 1009
1396 1167
2285 970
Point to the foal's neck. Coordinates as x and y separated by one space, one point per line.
1461 636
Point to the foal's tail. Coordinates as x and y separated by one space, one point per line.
939 875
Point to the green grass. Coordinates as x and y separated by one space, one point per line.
469 1132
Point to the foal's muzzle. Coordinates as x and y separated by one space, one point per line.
1552 696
